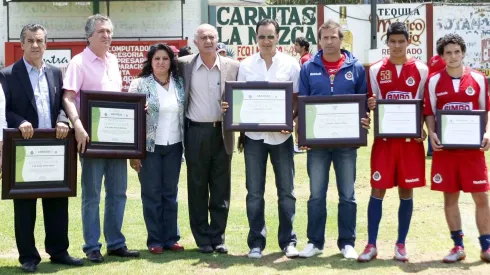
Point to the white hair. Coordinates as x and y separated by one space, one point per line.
203 27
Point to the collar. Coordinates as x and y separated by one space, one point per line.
91 55
199 62
29 67
274 58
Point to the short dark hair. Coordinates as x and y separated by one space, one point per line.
32 28
303 43
148 70
330 24
184 51
265 22
438 42
450 39
397 28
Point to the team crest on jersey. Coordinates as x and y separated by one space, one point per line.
410 81
437 178
376 176
348 75
398 95
470 91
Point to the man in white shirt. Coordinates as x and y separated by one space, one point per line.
269 65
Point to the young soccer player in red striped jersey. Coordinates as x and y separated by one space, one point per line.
395 161
459 88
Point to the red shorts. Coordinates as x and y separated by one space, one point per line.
453 171
397 162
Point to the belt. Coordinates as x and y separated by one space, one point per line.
214 124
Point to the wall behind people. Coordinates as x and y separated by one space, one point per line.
130 18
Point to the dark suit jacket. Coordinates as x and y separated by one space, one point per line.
19 96
229 72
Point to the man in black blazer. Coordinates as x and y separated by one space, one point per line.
33 100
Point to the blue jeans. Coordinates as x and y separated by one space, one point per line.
159 178
256 154
116 178
318 165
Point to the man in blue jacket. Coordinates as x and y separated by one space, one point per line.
332 71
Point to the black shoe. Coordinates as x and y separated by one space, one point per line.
29 267
66 260
123 252
220 248
206 249
95 257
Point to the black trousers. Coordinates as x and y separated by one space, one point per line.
55 212
208 182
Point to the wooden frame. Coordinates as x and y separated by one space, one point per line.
331 142
117 100
231 86
418 118
38 189
483 121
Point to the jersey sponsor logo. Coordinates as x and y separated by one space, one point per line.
442 93
332 71
376 176
437 178
349 75
410 81
311 74
385 77
470 91
399 95
458 106
412 180
479 182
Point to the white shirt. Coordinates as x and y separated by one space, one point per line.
283 68
3 121
168 130
205 93
39 85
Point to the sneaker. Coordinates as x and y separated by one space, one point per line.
456 254
485 256
349 252
291 251
400 253
255 253
296 149
369 253
310 251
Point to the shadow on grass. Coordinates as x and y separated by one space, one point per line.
278 261
275 260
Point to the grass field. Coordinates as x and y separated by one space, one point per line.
428 240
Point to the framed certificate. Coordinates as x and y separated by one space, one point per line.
331 121
460 129
398 118
259 106
40 167
115 123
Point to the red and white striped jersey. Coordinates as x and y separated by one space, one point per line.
390 81
470 92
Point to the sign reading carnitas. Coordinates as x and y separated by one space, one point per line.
236 27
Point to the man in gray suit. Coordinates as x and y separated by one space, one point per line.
208 149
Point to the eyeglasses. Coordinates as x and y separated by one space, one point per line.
269 37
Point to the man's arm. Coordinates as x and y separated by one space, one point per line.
62 117
13 120
71 110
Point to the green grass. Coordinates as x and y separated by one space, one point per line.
427 243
